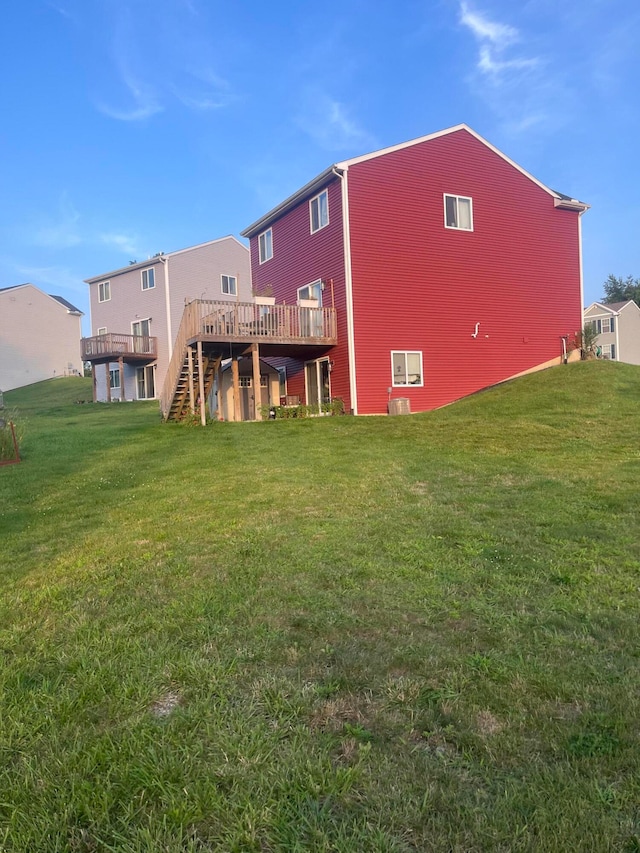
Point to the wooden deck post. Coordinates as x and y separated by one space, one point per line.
123 396
220 392
95 382
235 374
192 401
203 403
257 390
106 370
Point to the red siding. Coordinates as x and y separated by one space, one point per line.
300 258
419 286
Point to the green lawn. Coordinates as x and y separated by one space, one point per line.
337 634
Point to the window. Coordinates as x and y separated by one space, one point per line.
146 383
244 381
609 351
104 291
265 243
148 279
458 213
142 328
114 378
319 211
229 284
609 324
102 330
406 368
282 371
311 291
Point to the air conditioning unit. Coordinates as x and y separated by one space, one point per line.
399 406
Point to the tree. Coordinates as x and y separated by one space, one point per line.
618 289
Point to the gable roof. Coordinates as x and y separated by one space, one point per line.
156 259
612 307
59 299
337 169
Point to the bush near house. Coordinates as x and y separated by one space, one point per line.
353 634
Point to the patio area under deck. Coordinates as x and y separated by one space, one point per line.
213 331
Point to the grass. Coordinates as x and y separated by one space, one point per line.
376 634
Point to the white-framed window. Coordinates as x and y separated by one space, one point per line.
229 284
244 381
608 324
458 212
406 368
146 382
311 291
609 351
102 330
104 291
148 279
319 211
141 328
114 378
265 245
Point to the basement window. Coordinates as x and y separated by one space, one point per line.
458 213
406 368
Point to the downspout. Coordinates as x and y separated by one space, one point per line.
617 338
581 273
167 301
353 390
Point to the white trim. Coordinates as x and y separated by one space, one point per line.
407 352
317 362
580 267
317 198
316 303
102 330
228 276
262 234
147 270
348 285
617 340
142 320
101 284
458 198
167 302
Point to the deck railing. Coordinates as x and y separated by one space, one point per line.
114 345
215 320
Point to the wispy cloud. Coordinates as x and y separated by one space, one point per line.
53 278
125 243
183 68
494 38
329 123
63 232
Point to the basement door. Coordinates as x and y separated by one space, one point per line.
318 382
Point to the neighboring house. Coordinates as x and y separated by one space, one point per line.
39 337
618 328
448 268
136 313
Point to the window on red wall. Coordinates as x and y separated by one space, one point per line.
458 212
319 211
265 245
406 368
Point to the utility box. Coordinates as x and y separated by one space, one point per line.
399 406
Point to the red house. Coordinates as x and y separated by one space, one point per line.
449 266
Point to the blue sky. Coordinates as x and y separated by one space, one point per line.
131 127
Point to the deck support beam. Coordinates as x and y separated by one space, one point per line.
255 356
108 375
203 404
123 396
235 375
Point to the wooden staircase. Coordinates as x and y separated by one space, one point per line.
187 389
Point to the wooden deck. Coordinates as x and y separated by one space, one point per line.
114 346
212 330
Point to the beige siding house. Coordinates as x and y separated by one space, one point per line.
618 327
39 337
136 313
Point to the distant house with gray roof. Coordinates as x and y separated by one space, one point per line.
618 328
39 336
